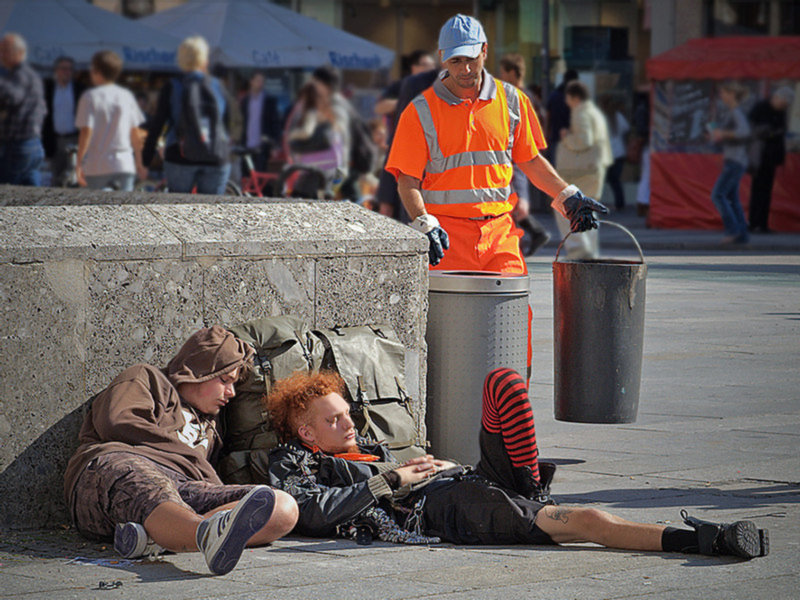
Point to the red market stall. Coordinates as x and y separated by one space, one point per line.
683 163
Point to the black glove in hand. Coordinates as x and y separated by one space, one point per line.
440 242
580 211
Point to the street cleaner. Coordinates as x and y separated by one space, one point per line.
453 156
346 486
142 475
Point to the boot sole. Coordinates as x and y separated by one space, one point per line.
252 513
746 540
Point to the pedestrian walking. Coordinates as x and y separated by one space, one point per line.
59 131
769 124
195 109
732 134
22 111
109 143
584 154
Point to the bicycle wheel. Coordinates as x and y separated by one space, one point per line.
232 189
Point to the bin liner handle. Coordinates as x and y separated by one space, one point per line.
618 226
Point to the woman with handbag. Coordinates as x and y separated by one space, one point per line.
583 155
314 134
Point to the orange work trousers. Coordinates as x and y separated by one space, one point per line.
485 245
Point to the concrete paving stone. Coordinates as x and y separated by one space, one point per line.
782 586
238 291
150 307
365 586
260 230
43 233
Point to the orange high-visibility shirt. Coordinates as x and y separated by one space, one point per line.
473 136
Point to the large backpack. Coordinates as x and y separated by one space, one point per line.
198 107
370 359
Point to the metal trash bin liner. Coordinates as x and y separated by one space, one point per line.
598 308
477 321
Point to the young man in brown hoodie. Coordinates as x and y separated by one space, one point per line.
142 470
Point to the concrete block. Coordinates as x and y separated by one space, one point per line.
287 229
235 291
42 367
139 311
43 233
15 195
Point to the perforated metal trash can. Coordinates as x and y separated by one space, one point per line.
477 321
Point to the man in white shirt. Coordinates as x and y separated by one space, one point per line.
59 131
109 148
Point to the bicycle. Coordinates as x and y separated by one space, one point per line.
254 183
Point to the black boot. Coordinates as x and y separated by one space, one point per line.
741 538
537 233
529 487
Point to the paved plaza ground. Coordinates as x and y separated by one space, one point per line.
717 434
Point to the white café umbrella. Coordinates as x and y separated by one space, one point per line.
257 33
77 29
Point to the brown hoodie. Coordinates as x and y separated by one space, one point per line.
140 412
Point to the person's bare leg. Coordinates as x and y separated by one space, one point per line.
564 525
174 527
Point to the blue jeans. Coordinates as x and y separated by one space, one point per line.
209 179
20 162
115 181
725 197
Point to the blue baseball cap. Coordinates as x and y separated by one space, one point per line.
461 36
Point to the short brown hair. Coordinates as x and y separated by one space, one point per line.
513 63
577 89
108 64
290 398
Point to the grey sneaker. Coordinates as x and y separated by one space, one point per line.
223 536
131 541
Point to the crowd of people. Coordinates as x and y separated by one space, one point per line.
90 131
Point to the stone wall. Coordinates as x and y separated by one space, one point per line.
87 290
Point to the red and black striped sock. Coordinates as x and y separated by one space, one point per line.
507 410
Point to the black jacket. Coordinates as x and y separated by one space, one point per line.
329 491
769 126
270 119
48 133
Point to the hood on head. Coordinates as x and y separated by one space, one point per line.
208 353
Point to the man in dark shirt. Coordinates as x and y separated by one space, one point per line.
22 110
262 124
557 115
768 123
58 131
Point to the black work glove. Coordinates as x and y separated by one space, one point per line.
580 209
437 237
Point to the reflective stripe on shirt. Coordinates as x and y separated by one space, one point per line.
439 163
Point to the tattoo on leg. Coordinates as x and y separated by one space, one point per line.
560 514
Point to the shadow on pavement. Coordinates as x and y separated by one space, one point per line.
703 498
